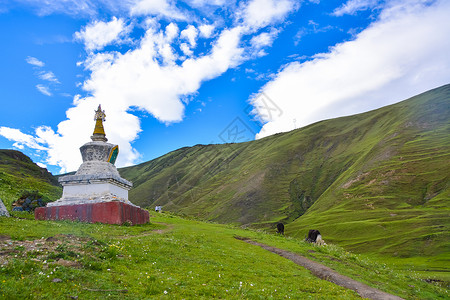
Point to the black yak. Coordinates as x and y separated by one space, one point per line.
280 228
314 236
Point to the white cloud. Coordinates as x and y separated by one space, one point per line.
18 146
136 78
34 61
99 34
163 8
43 75
262 41
403 53
190 34
43 89
42 165
20 138
186 50
353 6
260 13
171 32
48 76
206 30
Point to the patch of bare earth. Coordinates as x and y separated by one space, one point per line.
327 273
46 250
352 181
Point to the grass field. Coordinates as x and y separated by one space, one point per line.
177 258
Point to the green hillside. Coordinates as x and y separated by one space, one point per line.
19 173
373 182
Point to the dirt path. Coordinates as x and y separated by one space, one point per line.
328 274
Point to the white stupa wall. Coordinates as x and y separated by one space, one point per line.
94 190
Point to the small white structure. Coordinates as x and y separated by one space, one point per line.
158 208
3 211
97 179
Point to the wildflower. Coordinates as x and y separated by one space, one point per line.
165 292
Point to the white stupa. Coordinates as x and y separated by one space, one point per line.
97 179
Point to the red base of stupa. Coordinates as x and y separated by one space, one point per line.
105 212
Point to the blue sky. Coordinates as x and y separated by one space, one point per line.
171 74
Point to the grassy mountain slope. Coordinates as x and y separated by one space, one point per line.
395 198
374 182
18 173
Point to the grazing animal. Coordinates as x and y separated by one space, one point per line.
319 241
314 236
280 228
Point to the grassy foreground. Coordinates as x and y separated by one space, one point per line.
175 258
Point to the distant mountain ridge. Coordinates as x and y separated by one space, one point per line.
18 173
23 162
389 163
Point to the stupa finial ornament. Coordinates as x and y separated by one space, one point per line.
99 131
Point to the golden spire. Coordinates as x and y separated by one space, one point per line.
99 131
